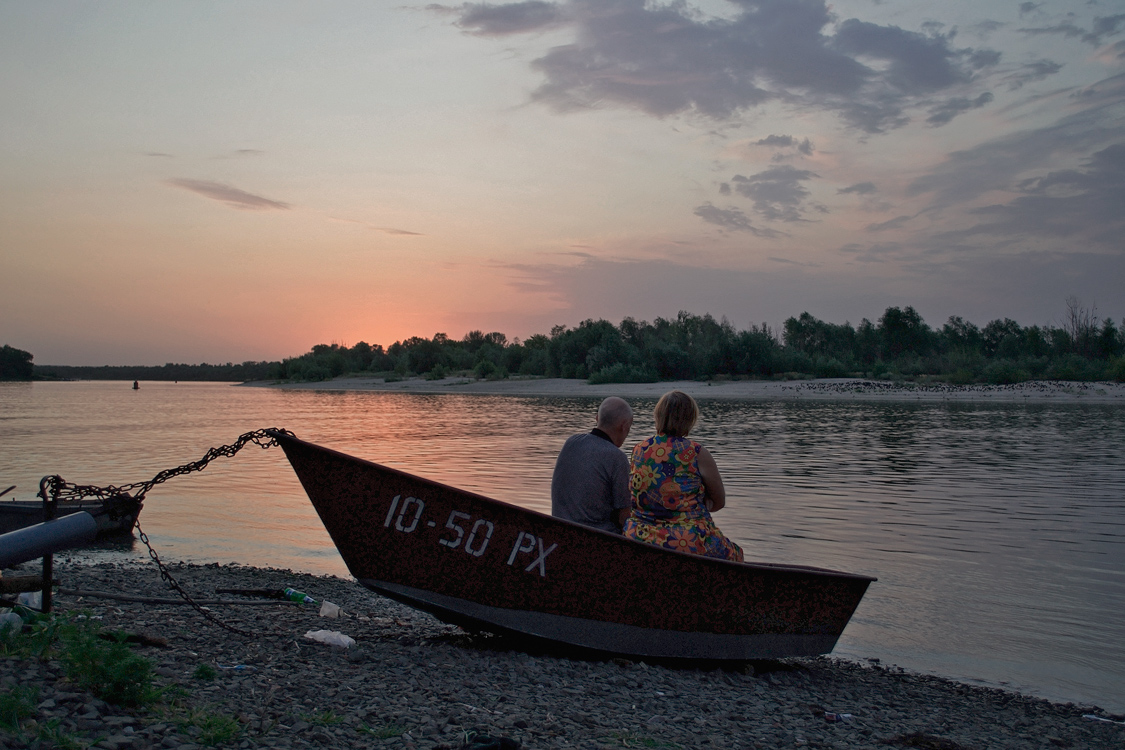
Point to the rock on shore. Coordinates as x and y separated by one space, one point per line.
413 682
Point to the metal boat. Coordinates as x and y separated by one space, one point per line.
19 514
488 565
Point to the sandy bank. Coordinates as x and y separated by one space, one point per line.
413 682
841 389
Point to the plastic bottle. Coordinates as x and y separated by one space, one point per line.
296 596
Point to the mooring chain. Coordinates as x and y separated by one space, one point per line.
62 490
58 489
173 584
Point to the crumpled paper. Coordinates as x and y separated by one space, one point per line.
331 637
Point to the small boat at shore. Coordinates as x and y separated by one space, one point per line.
19 514
488 565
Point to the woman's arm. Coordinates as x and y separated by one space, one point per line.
715 494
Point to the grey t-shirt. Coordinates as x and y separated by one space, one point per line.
591 481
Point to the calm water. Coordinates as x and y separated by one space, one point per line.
997 531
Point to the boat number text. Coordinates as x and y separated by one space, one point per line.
473 538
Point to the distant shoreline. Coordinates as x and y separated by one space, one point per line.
829 389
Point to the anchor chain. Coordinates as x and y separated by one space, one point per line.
58 489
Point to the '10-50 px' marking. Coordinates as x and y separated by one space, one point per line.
409 515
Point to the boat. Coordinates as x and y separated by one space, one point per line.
487 565
112 521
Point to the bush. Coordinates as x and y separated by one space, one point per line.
437 373
623 373
1075 367
829 367
487 370
1005 372
1116 370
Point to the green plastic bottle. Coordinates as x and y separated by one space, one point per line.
296 596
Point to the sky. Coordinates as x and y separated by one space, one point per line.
231 181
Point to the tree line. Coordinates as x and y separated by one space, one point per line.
899 345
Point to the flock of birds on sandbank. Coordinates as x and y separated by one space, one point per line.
1025 389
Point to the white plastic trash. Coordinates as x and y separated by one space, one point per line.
328 609
331 637
10 622
33 599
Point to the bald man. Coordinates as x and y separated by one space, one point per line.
590 485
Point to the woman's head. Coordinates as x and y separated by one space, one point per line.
676 413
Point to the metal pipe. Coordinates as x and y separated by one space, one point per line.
45 538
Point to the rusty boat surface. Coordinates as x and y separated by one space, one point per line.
488 565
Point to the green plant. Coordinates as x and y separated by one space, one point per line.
109 669
437 373
16 705
324 718
1116 370
50 733
214 728
204 672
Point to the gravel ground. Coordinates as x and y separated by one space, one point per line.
413 682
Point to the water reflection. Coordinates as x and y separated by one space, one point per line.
997 531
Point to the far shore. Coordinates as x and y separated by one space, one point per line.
829 389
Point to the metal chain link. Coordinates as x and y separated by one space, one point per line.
63 490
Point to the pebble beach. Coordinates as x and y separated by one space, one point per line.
410 681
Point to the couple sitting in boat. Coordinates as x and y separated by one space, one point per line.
663 494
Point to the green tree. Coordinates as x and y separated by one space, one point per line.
902 331
15 364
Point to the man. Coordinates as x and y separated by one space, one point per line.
591 481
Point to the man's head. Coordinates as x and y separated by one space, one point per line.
615 418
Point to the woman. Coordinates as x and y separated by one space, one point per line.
676 486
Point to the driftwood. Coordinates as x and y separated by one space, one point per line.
20 584
155 600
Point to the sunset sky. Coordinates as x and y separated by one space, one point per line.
229 181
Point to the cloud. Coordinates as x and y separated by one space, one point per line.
947 110
775 141
777 192
482 19
1102 27
860 188
786 141
159 154
916 64
1082 205
1031 72
894 223
386 230
665 59
997 164
231 196
733 219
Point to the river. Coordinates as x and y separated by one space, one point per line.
997 531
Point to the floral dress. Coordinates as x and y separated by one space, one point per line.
668 500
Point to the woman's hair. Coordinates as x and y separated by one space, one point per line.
676 413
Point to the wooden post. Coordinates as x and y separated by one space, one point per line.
49 505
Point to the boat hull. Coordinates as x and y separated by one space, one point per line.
19 514
489 565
